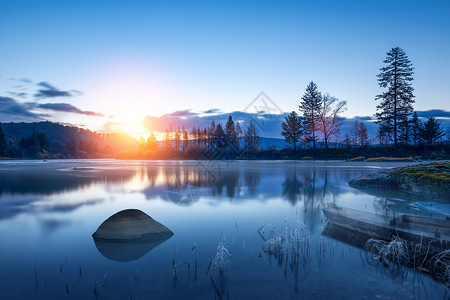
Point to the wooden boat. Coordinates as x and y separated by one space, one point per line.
419 230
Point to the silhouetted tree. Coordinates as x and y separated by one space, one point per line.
252 138
292 129
310 107
354 133
363 137
220 138
231 135
330 122
416 129
239 134
404 131
432 131
384 134
396 102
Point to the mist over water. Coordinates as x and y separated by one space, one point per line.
49 210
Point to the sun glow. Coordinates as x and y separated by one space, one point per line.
135 130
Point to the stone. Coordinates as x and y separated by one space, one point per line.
129 224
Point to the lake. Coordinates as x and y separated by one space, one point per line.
50 209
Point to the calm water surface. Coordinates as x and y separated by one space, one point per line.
49 210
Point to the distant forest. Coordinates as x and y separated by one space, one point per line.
46 140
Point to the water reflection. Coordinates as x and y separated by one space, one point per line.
182 183
122 251
48 212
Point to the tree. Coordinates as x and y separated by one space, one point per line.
231 135
404 130
396 101
329 122
416 129
239 134
252 138
432 131
2 141
292 129
310 107
363 137
354 132
220 138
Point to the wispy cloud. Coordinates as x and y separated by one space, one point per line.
18 94
49 91
11 110
66 107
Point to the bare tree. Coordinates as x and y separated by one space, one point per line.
329 121
363 137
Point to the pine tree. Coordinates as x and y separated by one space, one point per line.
220 138
416 129
396 102
239 134
310 107
404 131
231 135
432 131
292 129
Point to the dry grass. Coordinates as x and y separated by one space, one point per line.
388 159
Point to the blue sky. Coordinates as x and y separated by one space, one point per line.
120 61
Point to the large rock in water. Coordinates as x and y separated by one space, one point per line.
129 224
129 235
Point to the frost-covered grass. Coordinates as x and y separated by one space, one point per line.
395 250
287 245
420 257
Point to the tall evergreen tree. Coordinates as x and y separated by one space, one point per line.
404 131
231 135
310 107
292 129
416 129
220 138
239 134
432 131
396 101
2 141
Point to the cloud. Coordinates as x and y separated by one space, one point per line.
18 94
11 110
49 91
435 113
212 111
66 107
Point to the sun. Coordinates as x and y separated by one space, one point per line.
135 130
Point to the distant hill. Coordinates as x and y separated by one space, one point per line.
54 140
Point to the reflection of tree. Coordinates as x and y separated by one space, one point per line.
311 188
252 179
291 188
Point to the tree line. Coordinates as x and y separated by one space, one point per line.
215 141
399 124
